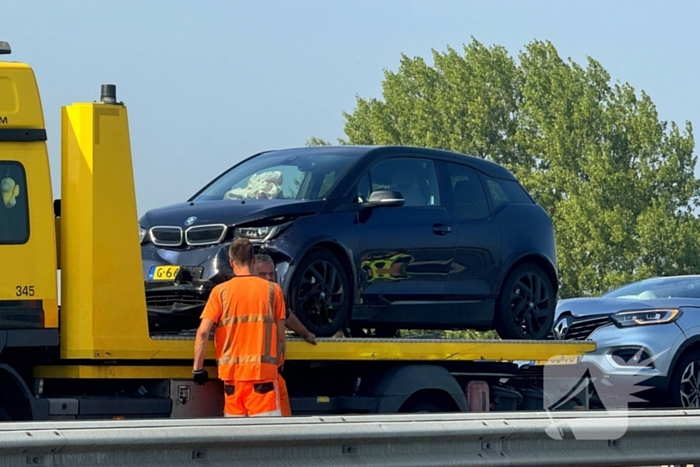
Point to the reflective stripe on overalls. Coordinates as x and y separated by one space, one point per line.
251 360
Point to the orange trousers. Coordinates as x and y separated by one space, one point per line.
285 408
252 399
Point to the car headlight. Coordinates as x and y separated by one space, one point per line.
260 233
643 317
142 234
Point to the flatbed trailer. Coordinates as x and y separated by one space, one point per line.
336 376
94 356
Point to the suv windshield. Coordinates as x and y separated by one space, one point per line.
280 176
660 287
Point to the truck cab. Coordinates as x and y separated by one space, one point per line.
28 287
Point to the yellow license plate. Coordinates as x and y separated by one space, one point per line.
163 273
561 360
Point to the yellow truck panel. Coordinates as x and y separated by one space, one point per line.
20 106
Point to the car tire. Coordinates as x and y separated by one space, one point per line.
684 387
525 307
320 294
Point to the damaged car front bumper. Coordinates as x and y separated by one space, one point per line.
178 282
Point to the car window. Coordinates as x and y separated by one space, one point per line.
502 191
363 189
327 183
272 182
468 197
659 287
14 210
415 179
280 176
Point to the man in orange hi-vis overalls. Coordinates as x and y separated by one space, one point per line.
249 315
264 266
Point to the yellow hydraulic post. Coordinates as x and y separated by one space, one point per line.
103 311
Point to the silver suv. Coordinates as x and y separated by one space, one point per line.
647 334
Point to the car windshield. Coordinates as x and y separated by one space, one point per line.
280 176
659 287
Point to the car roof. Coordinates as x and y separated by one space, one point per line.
488 167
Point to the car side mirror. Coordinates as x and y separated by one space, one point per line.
385 198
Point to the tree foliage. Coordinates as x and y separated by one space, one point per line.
618 182
313 141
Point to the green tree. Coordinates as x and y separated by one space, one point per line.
313 141
618 182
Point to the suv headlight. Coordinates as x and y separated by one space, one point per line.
260 233
142 234
643 317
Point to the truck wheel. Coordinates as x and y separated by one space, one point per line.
320 293
426 404
4 415
525 307
684 387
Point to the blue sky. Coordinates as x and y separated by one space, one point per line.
210 82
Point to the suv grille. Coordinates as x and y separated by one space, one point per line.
582 328
205 234
166 236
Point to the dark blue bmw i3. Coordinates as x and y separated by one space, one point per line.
366 240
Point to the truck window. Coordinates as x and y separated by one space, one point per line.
14 211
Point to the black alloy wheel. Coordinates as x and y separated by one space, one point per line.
320 293
525 308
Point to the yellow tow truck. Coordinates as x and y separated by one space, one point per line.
94 357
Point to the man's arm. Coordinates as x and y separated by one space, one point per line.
280 314
297 326
210 316
200 343
281 337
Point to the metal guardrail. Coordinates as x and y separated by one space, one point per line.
505 439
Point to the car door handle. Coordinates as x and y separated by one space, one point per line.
441 229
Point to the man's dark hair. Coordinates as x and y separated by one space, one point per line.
241 251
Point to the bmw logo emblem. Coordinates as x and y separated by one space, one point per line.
190 220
